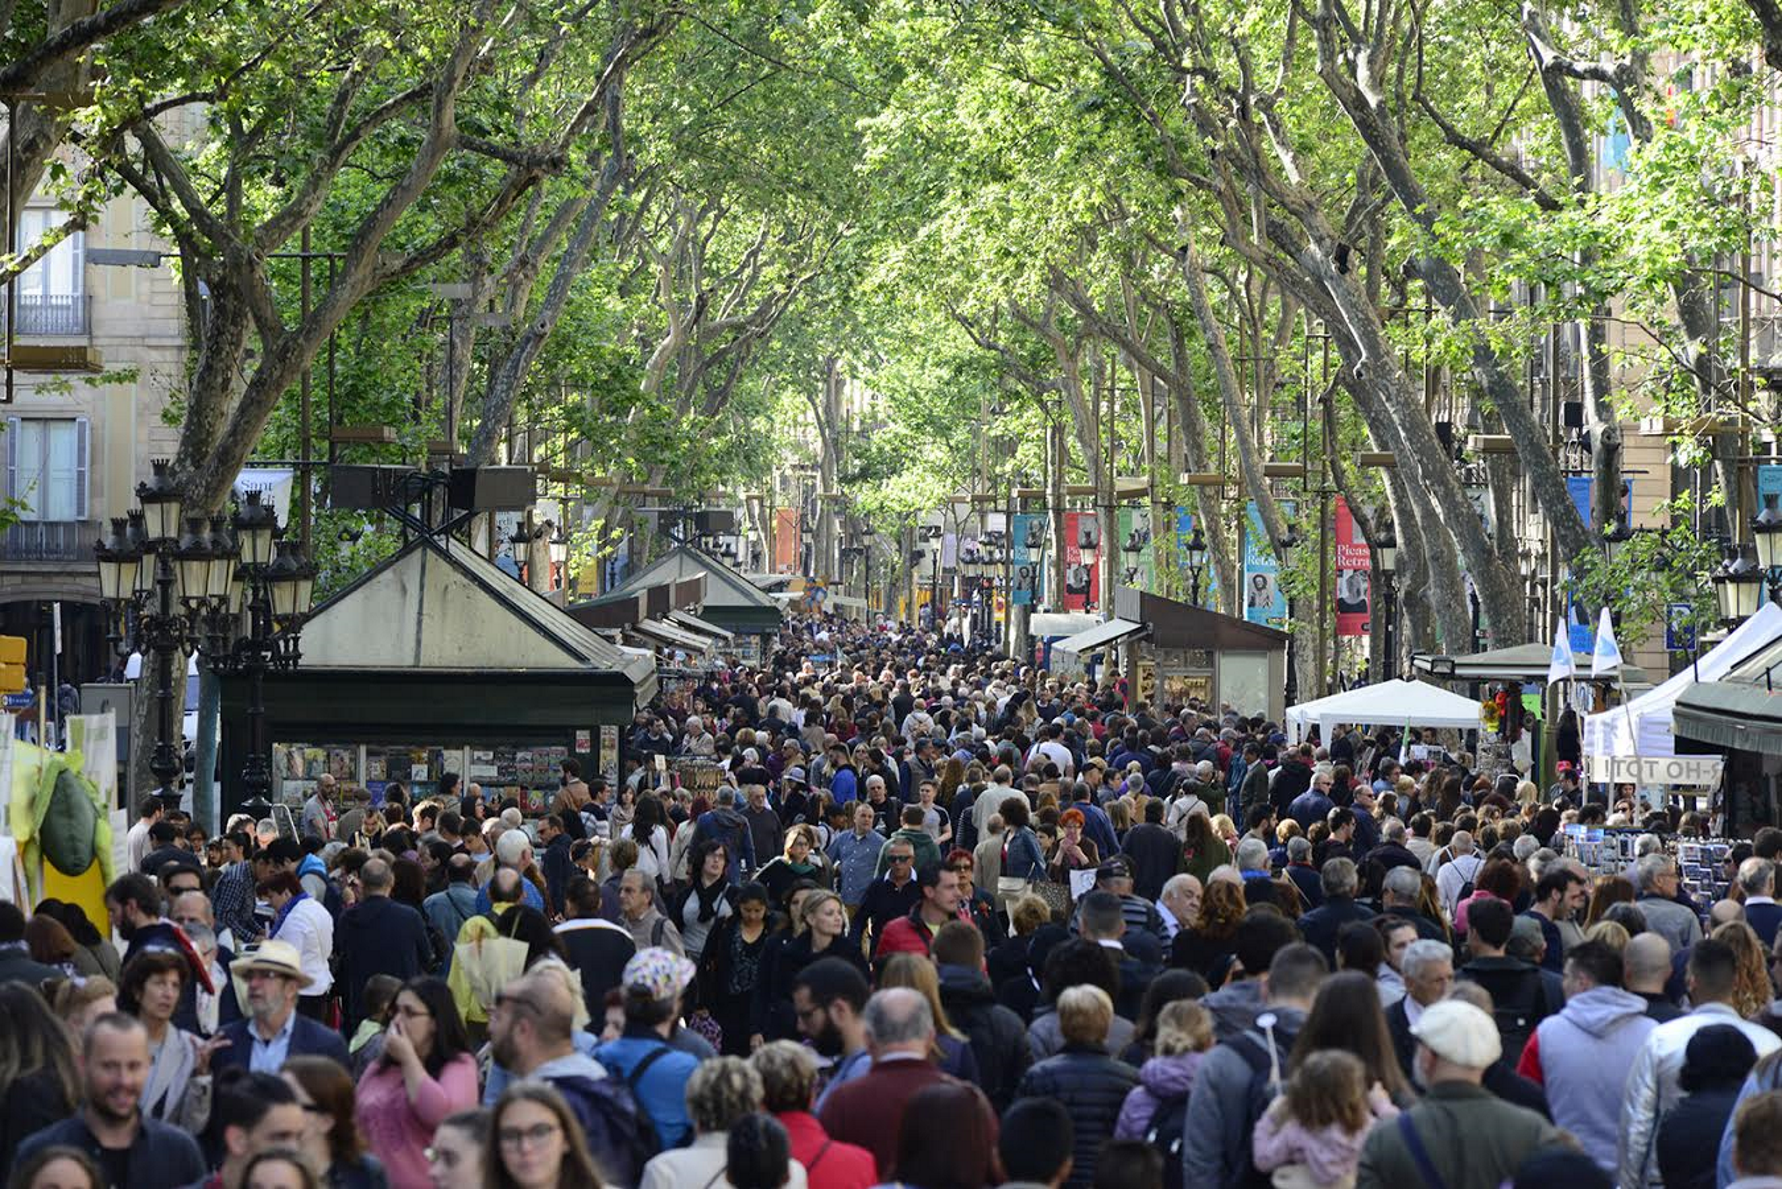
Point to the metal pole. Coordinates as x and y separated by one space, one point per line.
164 642
12 236
1319 680
304 506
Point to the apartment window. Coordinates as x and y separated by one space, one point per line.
59 273
48 467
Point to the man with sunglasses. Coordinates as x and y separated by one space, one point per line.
891 897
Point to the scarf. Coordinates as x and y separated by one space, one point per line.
279 920
709 897
164 1091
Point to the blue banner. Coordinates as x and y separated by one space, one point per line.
1264 600
1027 553
1577 617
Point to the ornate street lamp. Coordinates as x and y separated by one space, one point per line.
1197 563
1615 539
1738 586
1766 534
1386 548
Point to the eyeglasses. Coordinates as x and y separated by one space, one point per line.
903 858
505 1001
525 1137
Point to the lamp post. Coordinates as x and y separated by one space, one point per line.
1738 586
1197 563
1386 547
230 591
1285 549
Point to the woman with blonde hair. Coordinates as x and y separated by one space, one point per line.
1184 1034
951 1051
1611 933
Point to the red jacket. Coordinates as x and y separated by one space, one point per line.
868 1110
828 1163
905 935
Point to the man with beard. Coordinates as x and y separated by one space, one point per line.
829 996
132 1150
136 907
274 1030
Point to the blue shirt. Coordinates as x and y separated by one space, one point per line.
268 1056
846 1070
662 1090
528 895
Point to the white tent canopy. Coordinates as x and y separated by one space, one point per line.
1646 720
1394 703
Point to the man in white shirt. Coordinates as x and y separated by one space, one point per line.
136 842
989 802
1457 872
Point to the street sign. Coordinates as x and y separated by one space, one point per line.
18 701
1679 627
1682 771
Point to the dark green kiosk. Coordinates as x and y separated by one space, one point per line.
438 661
730 601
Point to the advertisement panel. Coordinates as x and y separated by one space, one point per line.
1354 593
1027 558
1138 559
785 540
1264 600
1579 625
1082 577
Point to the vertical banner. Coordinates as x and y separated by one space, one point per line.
1138 559
1264 600
1354 594
785 540
1582 489
1027 556
1082 577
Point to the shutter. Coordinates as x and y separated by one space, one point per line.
83 435
13 433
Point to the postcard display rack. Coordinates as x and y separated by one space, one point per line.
530 775
1701 864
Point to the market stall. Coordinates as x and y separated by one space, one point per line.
1397 703
730 601
436 661
1740 715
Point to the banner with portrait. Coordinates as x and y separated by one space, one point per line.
1354 592
1027 558
1082 549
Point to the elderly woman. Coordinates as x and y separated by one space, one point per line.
1092 1085
720 1093
1075 852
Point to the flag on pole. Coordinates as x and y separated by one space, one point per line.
1607 658
1562 666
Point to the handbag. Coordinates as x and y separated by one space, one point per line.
1056 896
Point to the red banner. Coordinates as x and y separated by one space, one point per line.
785 541
1082 549
1354 593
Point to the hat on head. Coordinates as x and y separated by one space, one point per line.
275 957
663 973
1459 1032
793 775
1114 868
1719 1055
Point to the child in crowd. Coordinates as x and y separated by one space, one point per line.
1311 1136
368 1041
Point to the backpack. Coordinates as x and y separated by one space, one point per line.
1254 1049
1164 1132
621 1137
1518 1012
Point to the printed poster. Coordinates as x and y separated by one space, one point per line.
785 540
1138 559
1265 601
1027 557
1353 576
1082 576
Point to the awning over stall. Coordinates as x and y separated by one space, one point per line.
1389 703
1099 637
671 636
692 623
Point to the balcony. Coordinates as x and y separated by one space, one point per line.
49 541
51 315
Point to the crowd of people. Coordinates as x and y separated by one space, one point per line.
892 910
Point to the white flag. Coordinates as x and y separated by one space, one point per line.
1562 666
1607 658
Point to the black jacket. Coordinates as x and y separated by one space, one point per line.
882 904
1293 778
378 935
1427 930
1398 1026
1305 877
598 950
1320 926
1155 855
558 868
1093 1087
1391 854
1691 1128
772 1015
998 1036
16 966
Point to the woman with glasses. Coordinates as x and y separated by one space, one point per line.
425 1073
331 1140
708 899
537 1143
455 1161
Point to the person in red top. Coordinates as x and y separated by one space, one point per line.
789 1080
939 904
868 1110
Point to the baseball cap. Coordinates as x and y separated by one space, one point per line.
661 972
1459 1032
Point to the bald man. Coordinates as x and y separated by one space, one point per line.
1646 967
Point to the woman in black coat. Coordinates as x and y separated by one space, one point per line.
1714 1067
825 935
730 968
1092 1085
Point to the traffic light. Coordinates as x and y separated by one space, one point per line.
12 665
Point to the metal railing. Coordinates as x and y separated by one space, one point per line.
61 314
49 540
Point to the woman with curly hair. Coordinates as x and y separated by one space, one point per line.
1207 947
1498 879
1751 987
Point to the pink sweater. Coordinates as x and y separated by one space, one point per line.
1330 1154
398 1131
